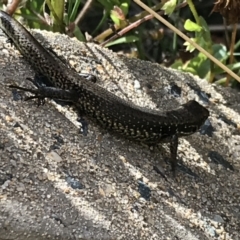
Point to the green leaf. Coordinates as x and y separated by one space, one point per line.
125 7
188 45
169 7
233 67
205 31
220 52
192 26
72 13
221 81
108 5
178 64
190 70
78 34
126 39
118 13
200 64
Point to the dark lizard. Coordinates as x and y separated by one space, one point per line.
103 107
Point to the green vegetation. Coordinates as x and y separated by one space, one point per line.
123 25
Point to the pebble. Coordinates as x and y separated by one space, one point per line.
137 84
54 157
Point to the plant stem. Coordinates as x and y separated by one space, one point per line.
193 10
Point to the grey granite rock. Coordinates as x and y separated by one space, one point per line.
40 148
